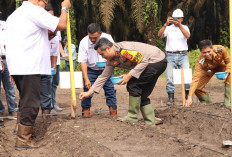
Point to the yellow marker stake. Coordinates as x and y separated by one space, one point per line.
230 3
73 101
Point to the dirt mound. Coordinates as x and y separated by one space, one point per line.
195 131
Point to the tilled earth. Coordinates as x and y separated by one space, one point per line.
195 131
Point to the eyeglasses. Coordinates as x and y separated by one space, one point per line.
45 2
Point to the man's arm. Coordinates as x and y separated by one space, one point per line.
63 17
162 29
63 54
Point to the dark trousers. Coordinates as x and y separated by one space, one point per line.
29 102
108 88
145 84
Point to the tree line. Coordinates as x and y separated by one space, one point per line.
140 20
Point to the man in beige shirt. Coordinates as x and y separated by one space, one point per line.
213 58
146 64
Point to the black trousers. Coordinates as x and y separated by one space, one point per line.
29 102
145 84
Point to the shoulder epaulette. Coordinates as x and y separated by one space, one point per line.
202 60
218 49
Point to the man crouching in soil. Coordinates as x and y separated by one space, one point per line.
213 58
146 64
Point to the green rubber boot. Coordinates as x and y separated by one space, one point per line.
205 98
148 114
134 105
227 95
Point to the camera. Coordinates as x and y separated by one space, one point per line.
175 18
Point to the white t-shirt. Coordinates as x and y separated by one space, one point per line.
87 54
176 41
27 41
2 37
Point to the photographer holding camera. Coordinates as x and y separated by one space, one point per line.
176 49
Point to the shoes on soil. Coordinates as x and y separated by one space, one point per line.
57 107
53 112
85 112
12 116
113 111
170 99
158 121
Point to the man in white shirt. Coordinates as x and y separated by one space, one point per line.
5 79
45 81
28 57
176 49
88 57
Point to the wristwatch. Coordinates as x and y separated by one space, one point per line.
64 8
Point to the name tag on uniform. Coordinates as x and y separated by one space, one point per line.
133 56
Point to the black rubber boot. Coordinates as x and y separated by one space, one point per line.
170 99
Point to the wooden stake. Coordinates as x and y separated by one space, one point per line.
182 84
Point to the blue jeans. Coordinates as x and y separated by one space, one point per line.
108 89
45 92
175 61
67 68
9 90
55 82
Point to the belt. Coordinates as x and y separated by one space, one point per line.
3 57
177 52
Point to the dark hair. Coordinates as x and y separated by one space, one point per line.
93 28
103 43
48 8
205 43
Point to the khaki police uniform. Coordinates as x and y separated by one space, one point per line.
205 69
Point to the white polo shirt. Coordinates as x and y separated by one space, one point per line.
27 41
87 54
176 41
2 37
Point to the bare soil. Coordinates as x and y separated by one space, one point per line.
197 131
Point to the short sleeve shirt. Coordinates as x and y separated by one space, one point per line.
87 54
176 41
27 41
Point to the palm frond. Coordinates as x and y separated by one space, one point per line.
107 12
137 13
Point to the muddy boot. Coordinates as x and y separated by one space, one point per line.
17 123
134 105
205 98
86 112
148 114
113 111
186 94
227 95
23 140
170 99
45 113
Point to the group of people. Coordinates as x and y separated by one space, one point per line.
33 47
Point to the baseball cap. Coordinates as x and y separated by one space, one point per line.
178 13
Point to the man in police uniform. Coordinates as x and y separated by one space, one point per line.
145 62
213 58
